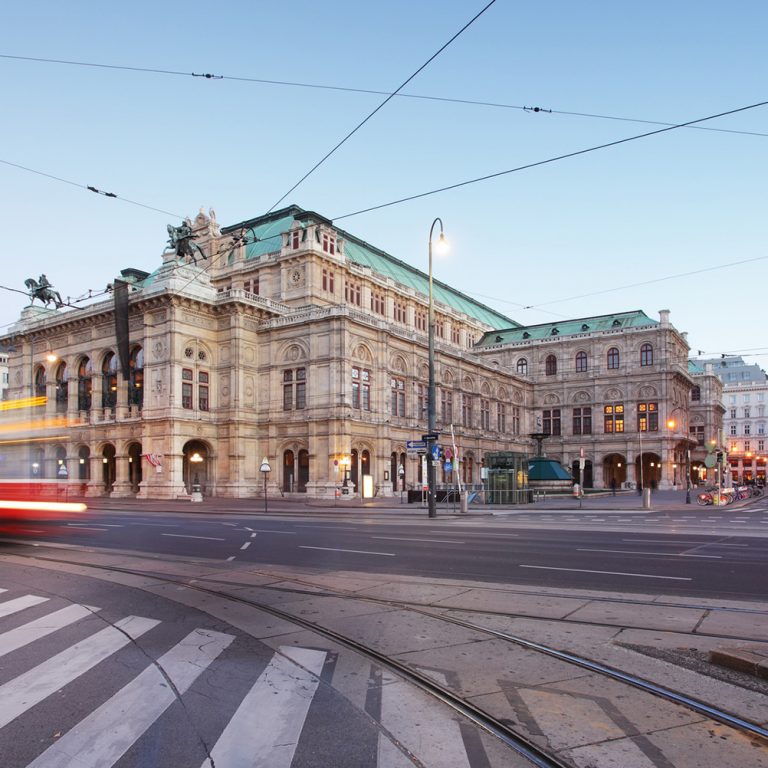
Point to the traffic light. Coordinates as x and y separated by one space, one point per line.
720 457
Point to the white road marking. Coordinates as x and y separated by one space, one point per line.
253 535
266 727
608 573
84 527
491 534
266 530
185 536
353 551
433 541
17 638
674 542
246 545
26 690
101 525
230 559
105 735
330 527
639 552
20 603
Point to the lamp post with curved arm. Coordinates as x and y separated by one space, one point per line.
441 246
672 425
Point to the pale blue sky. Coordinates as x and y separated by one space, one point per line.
674 203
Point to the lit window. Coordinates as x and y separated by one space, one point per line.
613 418
648 417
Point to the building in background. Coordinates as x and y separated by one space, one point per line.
3 374
744 399
286 337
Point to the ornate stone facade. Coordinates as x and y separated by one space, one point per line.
298 342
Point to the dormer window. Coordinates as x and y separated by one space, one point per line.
554 332
584 327
526 335
295 239
616 323
329 243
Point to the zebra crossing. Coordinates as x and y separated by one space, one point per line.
264 723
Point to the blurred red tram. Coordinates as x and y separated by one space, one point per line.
36 507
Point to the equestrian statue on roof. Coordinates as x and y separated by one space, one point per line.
182 241
42 289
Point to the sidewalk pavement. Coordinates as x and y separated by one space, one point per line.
600 502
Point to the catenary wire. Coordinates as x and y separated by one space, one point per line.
87 187
549 160
371 91
380 106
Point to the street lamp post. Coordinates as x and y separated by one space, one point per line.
672 425
265 469
441 244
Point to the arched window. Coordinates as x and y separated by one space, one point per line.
84 384
40 381
696 393
522 366
136 383
62 378
581 362
646 354
613 358
109 381
550 365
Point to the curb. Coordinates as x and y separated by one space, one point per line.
752 659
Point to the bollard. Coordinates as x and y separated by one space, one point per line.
463 503
646 498
196 493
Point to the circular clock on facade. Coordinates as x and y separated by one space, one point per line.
296 276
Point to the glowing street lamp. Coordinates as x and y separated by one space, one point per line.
441 247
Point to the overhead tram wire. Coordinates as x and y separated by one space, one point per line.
372 91
87 187
550 160
616 288
383 103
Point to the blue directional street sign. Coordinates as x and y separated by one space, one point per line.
415 445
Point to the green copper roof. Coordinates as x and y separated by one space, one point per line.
384 264
267 230
623 320
542 468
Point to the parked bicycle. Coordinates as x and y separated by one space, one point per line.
719 497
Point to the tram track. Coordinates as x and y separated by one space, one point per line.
524 746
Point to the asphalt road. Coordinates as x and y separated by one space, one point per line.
721 554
